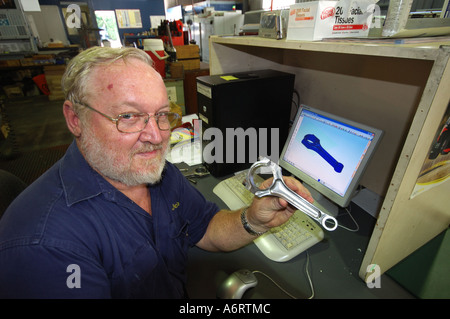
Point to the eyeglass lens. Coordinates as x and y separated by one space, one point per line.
130 122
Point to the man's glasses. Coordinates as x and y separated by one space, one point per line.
136 122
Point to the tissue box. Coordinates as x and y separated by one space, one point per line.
316 20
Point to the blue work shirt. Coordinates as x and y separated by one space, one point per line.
71 234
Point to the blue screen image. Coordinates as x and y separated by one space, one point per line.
345 144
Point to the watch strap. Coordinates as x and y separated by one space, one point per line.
247 225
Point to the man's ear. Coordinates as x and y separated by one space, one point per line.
72 119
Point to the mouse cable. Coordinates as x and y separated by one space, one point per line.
309 276
282 289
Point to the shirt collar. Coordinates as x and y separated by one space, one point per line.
79 180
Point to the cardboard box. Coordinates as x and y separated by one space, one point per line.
316 20
188 56
176 70
190 51
190 64
53 75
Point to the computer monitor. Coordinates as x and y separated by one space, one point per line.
329 154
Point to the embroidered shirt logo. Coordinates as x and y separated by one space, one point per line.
175 206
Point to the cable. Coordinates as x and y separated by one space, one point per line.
309 276
347 209
295 103
282 289
298 99
273 281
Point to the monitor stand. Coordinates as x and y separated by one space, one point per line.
322 202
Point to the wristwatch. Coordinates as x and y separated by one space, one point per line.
247 225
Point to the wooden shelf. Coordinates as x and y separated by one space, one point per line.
421 51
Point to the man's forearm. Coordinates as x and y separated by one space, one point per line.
226 232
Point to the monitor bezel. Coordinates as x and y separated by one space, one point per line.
342 201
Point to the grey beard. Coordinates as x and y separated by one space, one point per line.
102 160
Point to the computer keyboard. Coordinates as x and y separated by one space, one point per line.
281 243
233 192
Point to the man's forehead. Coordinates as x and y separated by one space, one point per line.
113 75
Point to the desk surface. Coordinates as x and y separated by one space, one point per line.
333 264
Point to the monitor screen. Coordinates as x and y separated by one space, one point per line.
328 153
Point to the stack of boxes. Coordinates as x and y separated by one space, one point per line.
188 58
53 75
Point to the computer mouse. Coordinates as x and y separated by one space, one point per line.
237 284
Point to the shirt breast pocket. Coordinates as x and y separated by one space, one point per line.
180 234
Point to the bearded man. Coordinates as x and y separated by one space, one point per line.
112 218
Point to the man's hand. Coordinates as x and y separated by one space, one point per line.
269 211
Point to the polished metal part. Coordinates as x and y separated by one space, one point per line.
280 189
